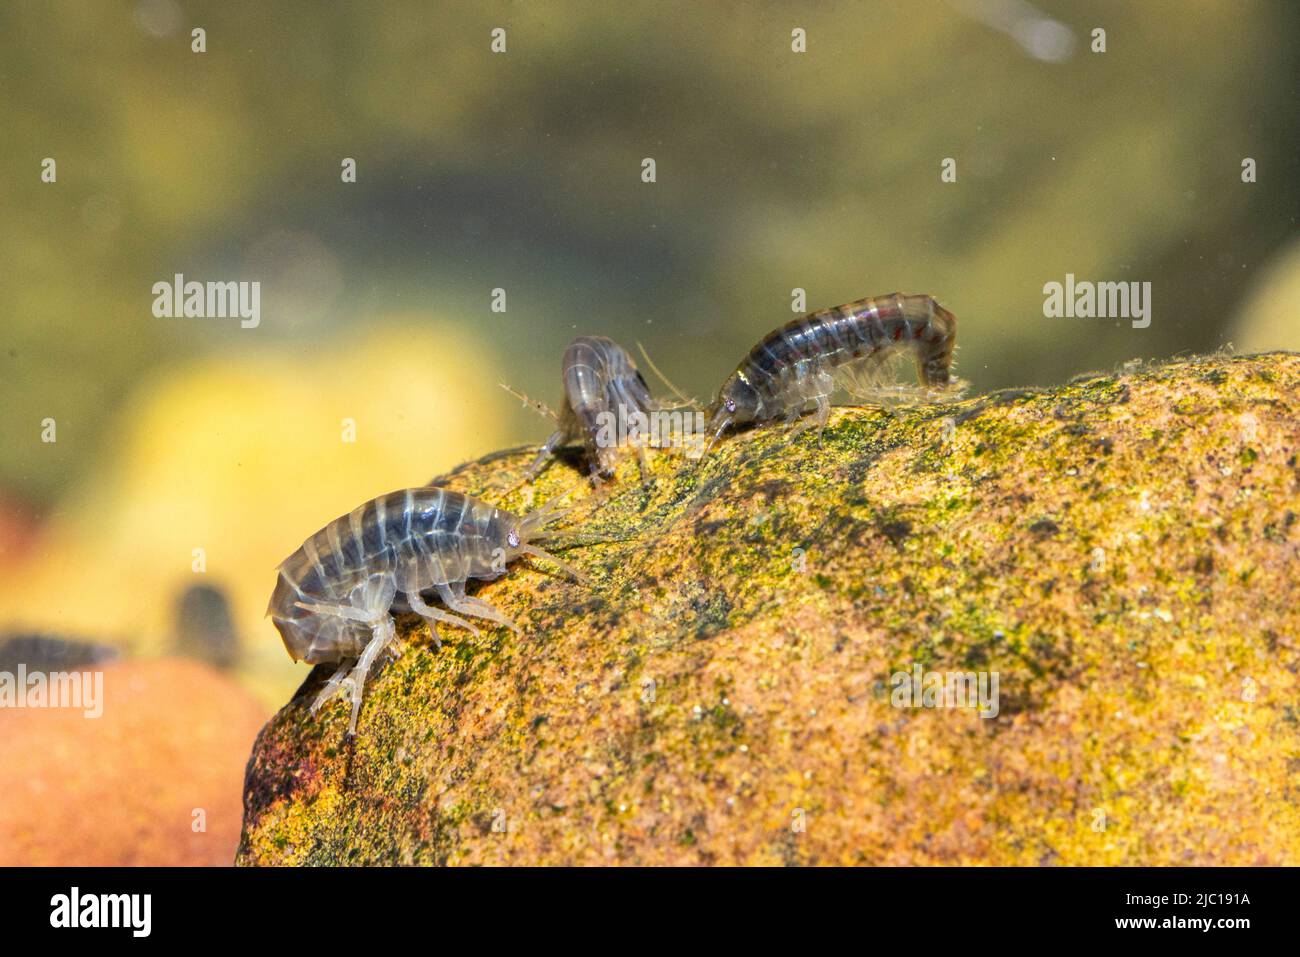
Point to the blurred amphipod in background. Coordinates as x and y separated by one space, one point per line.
204 628
51 653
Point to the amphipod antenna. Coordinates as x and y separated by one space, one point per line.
537 405
685 399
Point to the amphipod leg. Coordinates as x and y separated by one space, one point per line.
384 632
456 600
538 553
332 686
433 616
339 611
817 386
719 425
544 456
593 475
369 604
642 460
817 420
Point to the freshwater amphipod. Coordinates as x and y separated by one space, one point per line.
804 361
336 594
603 392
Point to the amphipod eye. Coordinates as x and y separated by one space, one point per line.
512 539
730 404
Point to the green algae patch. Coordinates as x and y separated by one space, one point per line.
1121 551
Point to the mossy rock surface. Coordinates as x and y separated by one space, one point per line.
1121 550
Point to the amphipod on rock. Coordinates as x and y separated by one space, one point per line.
604 395
336 595
807 359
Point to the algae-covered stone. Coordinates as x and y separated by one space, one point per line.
1120 551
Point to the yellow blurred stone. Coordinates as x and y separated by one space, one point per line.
243 458
1270 317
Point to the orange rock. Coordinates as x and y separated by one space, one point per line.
155 780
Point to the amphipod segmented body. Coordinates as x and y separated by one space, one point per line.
805 360
336 595
603 393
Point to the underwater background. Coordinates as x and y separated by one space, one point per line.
153 471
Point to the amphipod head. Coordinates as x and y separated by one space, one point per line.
738 402
598 428
518 533
604 460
